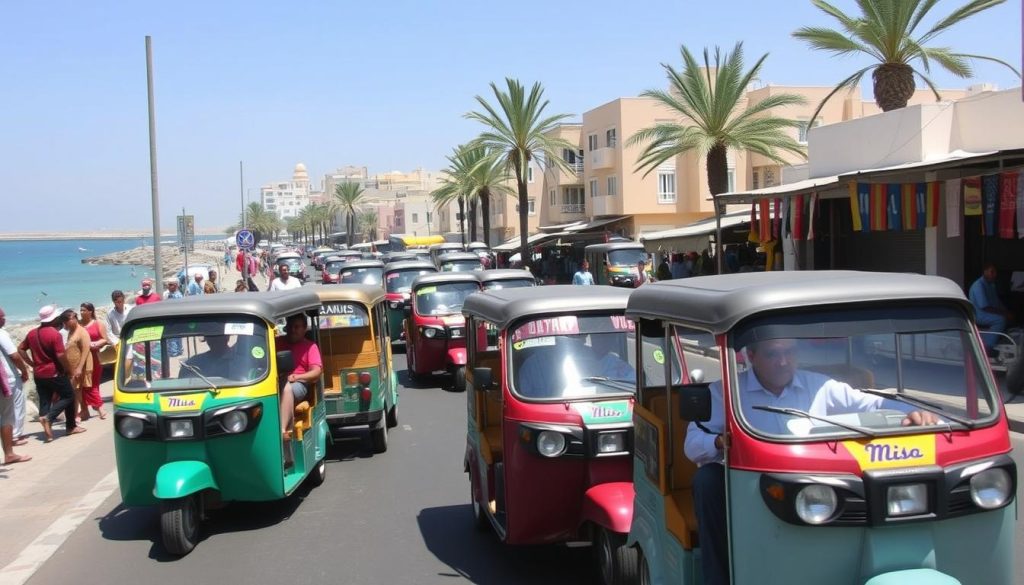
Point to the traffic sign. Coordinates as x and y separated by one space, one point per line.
245 240
186 232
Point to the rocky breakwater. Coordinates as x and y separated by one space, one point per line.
171 258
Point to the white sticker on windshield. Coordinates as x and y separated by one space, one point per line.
238 328
535 342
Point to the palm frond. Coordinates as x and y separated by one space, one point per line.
959 15
850 83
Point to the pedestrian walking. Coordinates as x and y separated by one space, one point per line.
171 290
14 374
195 287
147 295
44 351
211 286
98 339
284 281
80 359
116 317
583 277
227 261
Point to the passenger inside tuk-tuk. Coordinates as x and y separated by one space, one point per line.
301 381
218 361
772 383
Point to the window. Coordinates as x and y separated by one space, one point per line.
592 142
593 187
756 180
569 155
769 177
531 206
551 197
732 180
529 174
667 186
609 138
573 196
802 130
613 186
415 217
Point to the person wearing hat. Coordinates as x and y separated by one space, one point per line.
196 286
171 290
147 295
43 350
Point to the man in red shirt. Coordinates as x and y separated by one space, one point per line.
50 366
302 380
147 296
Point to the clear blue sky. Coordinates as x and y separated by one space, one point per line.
329 83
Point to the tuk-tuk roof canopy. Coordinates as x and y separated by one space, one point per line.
444 278
399 256
446 246
610 246
504 306
503 274
410 265
363 264
269 306
456 256
344 253
368 294
718 303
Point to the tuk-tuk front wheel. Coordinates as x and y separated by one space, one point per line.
319 473
480 521
179 524
618 564
392 416
459 378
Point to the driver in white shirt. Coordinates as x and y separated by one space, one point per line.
284 281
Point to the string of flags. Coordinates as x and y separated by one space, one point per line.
772 220
894 206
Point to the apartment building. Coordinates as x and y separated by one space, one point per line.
287 198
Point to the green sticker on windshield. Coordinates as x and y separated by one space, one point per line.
659 356
258 353
144 334
426 290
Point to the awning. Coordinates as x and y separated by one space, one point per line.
597 223
696 236
559 228
513 244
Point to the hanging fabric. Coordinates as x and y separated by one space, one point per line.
1007 204
765 220
990 203
753 236
1020 205
972 196
812 212
953 208
878 208
797 210
908 197
932 199
893 206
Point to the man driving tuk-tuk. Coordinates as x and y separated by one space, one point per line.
203 428
549 440
360 387
796 413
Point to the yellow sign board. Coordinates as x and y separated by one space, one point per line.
182 403
890 453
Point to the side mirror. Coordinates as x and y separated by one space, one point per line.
285 363
483 378
694 402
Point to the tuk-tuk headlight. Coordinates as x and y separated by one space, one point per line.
611 443
816 503
907 500
130 427
432 332
180 429
990 489
395 305
235 421
550 443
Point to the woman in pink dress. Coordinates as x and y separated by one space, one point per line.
97 331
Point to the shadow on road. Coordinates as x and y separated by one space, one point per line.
143 524
480 558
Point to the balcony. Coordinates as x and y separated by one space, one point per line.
573 208
602 158
604 205
577 167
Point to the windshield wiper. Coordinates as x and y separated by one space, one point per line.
932 408
195 370
798 412
607 380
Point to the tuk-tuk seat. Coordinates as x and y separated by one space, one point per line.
855 376
680 516
303 419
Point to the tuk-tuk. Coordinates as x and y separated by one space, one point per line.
459 262
435 331
197 413
398 277
360 387
550 430
834 462
615 263
505 278
400 257
445 248
362 272
316 258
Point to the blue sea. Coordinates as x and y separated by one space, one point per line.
41 272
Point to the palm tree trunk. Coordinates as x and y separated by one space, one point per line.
718 169
524 225
472 219
485 211
462 219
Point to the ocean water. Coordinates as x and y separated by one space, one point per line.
41 272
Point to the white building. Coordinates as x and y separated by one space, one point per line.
287 199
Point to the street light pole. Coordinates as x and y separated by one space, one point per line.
155 197
241 191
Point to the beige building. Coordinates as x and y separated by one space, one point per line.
287 198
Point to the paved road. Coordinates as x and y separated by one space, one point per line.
399 518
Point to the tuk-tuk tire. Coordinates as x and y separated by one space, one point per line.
379 438
480 521
392 416
459 378
617 563
319 473
645 571
179 524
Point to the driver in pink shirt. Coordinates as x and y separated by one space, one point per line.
302 380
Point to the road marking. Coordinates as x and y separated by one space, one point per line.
406 427
42 548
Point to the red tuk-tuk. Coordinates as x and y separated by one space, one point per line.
435 330
398 277
550 434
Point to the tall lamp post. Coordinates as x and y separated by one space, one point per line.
155 197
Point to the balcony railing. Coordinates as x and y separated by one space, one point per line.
602 158
578 167
573 208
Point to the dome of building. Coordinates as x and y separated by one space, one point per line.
300 173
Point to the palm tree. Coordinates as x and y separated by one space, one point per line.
452 189
348 195
368 224
517 131
886 31
709 99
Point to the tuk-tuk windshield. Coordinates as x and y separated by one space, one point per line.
461 266
629 257
334 266
510 283
400 281
361 275
865 368
444 299
293 264
194 353
569 356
